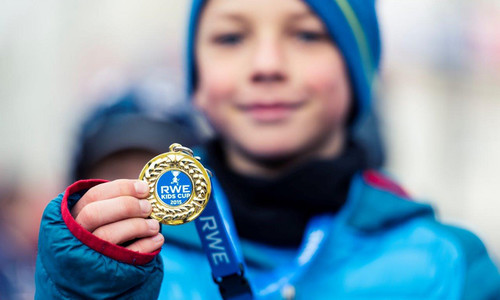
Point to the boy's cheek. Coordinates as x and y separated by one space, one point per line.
321 76
324 70
216 86
331 87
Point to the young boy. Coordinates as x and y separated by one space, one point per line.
285 83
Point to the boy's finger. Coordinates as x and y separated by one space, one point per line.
112 189
126 230
147 245
100 213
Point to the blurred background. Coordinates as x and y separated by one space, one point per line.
439 101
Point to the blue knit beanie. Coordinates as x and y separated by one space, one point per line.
353 26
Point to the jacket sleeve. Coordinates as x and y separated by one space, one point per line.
72 263
482 277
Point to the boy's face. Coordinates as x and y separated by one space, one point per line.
271 81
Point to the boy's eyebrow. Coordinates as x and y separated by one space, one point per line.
241 19
301 15
231 16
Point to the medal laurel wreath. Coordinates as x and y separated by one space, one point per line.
188 211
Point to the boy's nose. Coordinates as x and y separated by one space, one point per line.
268 63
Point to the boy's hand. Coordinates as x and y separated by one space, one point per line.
116 212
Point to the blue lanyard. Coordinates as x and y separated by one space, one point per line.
221 245
220 242
287 275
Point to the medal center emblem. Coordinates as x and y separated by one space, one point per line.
174 187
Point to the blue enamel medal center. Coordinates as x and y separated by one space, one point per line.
174 187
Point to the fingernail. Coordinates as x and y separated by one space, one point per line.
158 238
141 187
153 224
145 206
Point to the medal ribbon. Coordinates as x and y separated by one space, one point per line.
220 242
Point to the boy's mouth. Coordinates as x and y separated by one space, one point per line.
272 112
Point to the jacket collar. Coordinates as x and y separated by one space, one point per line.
375 203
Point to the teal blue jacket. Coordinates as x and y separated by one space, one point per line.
382 245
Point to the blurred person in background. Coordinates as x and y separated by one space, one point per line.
120 136
20 213
115 141
7 253
286 86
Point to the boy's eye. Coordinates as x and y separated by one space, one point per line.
311 36
229 39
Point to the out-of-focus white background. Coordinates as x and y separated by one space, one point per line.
439 94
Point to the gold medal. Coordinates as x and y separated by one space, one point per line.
179 186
